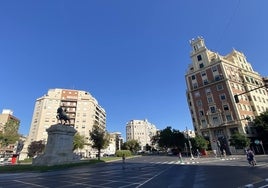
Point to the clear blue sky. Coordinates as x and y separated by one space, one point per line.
130 55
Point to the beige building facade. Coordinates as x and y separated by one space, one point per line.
142 131
212 81
81 107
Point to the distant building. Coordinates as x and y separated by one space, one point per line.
8 119
115 144
82 108
188 133
212 81
142 131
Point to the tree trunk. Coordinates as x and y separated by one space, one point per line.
99 152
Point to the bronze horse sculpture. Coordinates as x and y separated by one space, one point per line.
62 116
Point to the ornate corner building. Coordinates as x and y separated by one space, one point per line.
212 82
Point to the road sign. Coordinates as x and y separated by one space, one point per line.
257 142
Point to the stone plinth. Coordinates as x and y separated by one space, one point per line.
59 148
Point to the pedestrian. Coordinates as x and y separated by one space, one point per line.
215 153
180 157
224 153
123 161
198 153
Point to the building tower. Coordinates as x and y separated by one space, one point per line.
142 131
212 81
82 108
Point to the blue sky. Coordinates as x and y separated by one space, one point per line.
130 55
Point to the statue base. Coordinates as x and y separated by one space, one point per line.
59 148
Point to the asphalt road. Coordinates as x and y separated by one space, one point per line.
150 171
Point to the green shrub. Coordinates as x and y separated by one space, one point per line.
119 153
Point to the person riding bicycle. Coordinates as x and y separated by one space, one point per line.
250 157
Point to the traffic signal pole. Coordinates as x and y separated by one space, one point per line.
265 80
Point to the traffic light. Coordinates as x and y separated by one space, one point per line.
265 81
236 98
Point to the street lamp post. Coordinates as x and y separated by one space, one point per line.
186 149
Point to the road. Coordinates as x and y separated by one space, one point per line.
150 171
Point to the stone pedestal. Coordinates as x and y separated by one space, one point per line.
59 148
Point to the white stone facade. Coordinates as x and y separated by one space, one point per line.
142 131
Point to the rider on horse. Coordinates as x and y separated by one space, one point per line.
61 115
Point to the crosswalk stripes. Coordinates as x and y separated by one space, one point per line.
175 162
192 162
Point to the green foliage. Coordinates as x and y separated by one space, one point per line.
165 138
99 138
119 153
155 139
10 134
171 138
239 141
132 145
199 142
79 141
261 124
35 148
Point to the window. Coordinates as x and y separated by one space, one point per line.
203 123
217 77
228 117
193 77
201 65
195 85
212 109
210 100
205 81
219 87
214 69
222 97
199 103
215 120
208 91
225 107
197 94
199 58
201 113
203 73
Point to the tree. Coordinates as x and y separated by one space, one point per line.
171 138
239 141
10 134
99 138
178 139
35 148
199 142
132 145
165 138
261 124
79 141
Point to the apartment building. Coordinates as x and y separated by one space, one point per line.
212 81
142 131
81 107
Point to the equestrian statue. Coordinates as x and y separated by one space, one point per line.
62 116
